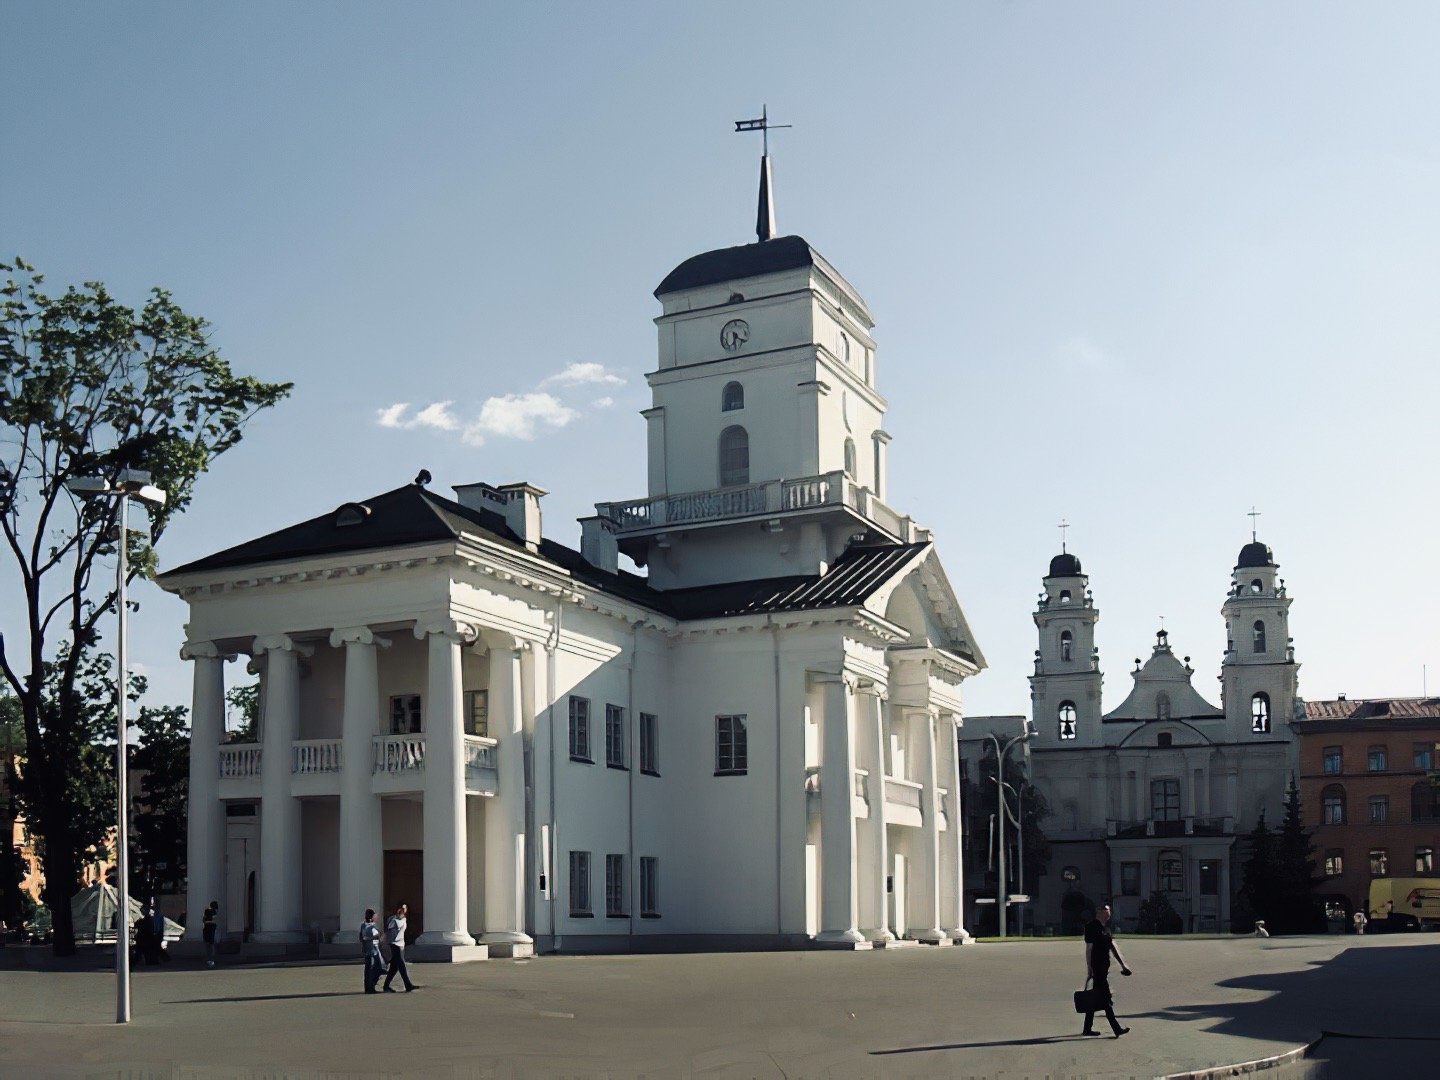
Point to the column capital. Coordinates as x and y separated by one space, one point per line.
871 688
281 643
453 629
830 678
357 635
502 641
203 650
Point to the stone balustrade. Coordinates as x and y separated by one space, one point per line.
309 756
903 792
399 753
240 761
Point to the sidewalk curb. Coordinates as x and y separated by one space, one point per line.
1275 1061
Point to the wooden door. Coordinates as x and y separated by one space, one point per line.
404 880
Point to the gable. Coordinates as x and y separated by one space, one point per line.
922 601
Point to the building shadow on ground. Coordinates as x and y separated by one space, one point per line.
264 997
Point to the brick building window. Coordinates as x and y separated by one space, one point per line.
1424 860
1380 862
1334 862
1332 764
1376 759
1332 805
1379 809
1424 803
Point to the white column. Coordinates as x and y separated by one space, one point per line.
280 915
505 813
837 815
927 877
876 864
205 827
361 884
952 861
443 819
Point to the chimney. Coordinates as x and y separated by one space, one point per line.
522 512
598 544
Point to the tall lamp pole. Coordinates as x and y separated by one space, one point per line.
130 484
1002 889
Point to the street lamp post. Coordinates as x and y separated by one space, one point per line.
129 485
1002 897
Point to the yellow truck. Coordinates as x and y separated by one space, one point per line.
1405 903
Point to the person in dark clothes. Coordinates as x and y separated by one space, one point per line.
370 951
1099 944
209 927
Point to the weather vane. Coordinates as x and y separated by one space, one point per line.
765 207
763 126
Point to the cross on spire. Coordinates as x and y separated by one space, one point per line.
1062 527
1252 515
765 211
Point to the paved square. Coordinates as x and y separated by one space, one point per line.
993 1010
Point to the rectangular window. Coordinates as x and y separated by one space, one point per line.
615 736
1424 860
477 713
1172 872
580 884
1333 808
1376 759
1129 879
1379 862
405 714
580 730
650 743
1424 755
1379 809
1165 800
1333 761
615 886
649 887
1334 862
732 755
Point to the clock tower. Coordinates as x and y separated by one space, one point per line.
765 433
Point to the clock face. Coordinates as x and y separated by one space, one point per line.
734 334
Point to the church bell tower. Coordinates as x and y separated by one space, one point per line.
1259 677
1065 689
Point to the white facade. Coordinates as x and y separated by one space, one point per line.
755 745
1154 793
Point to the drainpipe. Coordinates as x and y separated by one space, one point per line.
552 650
632 869
779 782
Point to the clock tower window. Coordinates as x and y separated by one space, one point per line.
1259 633
734 457
732 397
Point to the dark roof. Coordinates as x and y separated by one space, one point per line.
413 515
1253 555
849 581
730 264
1064 565
1414 708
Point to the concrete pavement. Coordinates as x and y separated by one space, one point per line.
998 1010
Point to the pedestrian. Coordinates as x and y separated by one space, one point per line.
395 929
1099 944
145 941
370 950
1360 921
1260 930
209 926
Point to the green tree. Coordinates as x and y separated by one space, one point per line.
12 866
90 387
1257 890
244 702
1158 916
1034 809
1295 909
162 761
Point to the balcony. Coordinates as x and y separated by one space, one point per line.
1177 827
769 499
903 799
397 764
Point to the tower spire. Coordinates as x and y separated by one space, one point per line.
765 208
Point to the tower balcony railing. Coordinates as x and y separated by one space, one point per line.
771 497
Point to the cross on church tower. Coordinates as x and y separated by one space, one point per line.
1062 527
1252 515
765 212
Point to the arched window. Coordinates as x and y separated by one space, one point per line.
1260 714
850 458
1257 586
1425 803
1067 720
1064 596
1332 805
732 397
1162 706
1171 872
734 457
1067 645
1259 631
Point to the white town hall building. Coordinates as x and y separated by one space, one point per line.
755 744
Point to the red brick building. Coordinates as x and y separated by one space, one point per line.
1365 780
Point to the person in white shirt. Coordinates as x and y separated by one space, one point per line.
370 950
395 930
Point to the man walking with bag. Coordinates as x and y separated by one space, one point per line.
1099 944
395 929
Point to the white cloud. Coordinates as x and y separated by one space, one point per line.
516 416
435 415
603 402
1082 354
579 374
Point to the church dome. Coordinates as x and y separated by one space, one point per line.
1254 554
730 264
1064 565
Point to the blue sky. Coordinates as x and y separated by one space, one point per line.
1136 265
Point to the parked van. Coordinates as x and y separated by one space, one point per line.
1405 903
